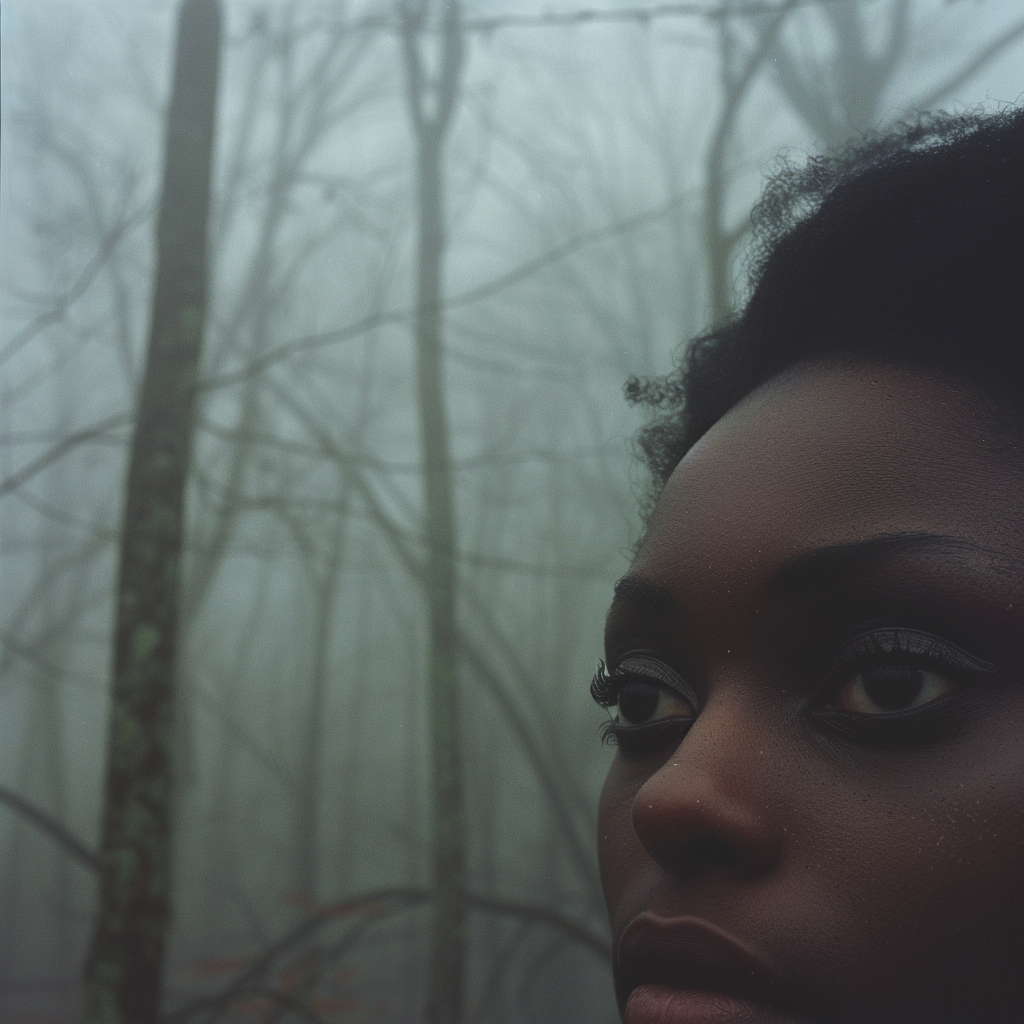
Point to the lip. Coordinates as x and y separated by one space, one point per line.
684 970
659 1004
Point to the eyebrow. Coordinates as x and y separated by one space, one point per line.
813 568
810 568
645 596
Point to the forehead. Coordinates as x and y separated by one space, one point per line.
830 455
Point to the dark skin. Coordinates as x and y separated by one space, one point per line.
816 812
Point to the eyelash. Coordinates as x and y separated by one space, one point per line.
885 646
876 647
638 740
916 649
604 688
609 733
604 692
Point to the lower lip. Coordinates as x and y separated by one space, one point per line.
658 1004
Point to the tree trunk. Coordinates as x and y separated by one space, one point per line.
448 939
124 970
309 795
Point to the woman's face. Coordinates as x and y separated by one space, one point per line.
816 811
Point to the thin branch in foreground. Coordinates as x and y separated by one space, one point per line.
61 448
379 319
375 906
51 827
642 15
63 303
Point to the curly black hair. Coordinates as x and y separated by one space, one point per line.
906 247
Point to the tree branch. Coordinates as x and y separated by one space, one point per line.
551 782
61 448
375 904
451 66
51 827
385 319
973 66
411 22
61 305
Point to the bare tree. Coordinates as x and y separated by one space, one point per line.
124 970
844 94
382 552
836 95
431 106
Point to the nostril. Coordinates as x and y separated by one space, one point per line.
706 852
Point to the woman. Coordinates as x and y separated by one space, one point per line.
815 665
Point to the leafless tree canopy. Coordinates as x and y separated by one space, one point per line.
440 237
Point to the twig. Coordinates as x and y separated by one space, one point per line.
53 828
62 447
247 982
61 305
640 15
399 316
259 968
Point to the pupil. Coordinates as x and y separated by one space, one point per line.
894 686
638 701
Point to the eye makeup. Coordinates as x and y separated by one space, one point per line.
897 686
654 703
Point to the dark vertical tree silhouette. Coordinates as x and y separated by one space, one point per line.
430 108
560 248
124 968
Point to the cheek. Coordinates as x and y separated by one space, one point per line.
954 858
955 832
922 882
622 860
898 892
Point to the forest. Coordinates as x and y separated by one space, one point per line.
316 472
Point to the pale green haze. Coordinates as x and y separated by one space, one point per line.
402 520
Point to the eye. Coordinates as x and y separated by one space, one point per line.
642 701
644 690
887 687
654 706
884 689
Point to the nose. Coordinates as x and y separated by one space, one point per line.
709 808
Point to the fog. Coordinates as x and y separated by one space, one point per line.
597 176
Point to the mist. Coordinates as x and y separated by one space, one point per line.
439 241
